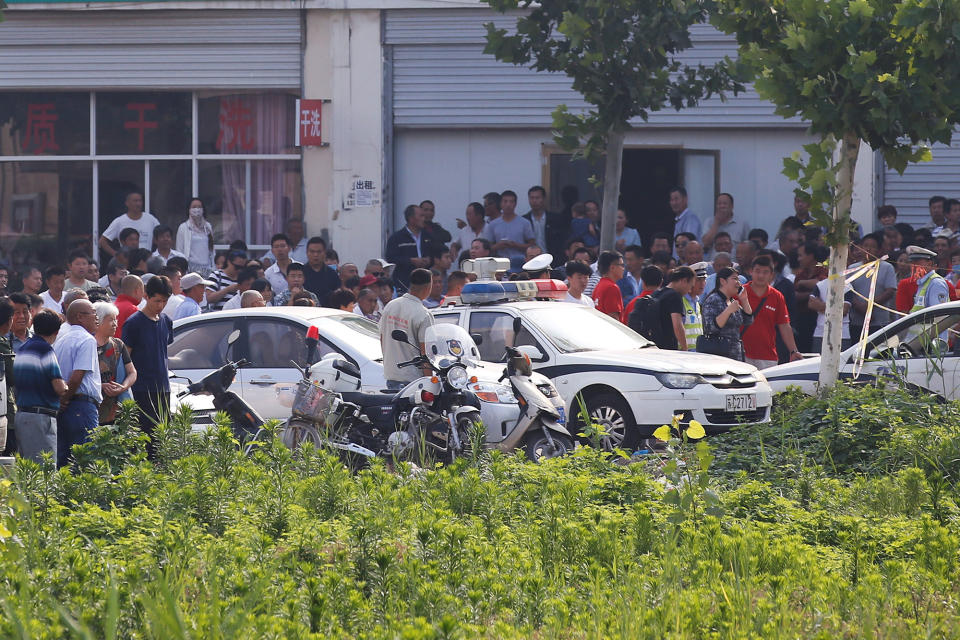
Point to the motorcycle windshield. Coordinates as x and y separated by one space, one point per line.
450 341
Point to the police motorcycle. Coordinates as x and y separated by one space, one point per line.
244 420
541 424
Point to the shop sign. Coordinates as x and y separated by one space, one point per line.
309 117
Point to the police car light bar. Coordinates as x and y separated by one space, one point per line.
550 289
489 291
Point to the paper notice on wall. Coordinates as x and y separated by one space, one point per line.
362 193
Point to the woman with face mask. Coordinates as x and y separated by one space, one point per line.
195 239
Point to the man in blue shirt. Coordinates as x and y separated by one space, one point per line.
147 333
77 354
42 383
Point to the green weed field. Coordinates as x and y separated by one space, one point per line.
838 519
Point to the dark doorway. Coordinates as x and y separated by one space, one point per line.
648 175
646 179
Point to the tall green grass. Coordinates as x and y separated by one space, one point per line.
845 529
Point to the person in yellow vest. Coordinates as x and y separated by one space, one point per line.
692 315
931 288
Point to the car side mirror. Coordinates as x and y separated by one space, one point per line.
477 338
532 352
517 325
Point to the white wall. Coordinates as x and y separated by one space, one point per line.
453 168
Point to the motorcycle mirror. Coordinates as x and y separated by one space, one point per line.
477 338
531 352
233 337
517 325
399 335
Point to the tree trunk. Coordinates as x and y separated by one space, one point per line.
611 189
833 327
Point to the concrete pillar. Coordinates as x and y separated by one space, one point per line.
343 63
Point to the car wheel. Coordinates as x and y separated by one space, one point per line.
611 411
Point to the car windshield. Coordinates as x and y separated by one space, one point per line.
574 328
361 334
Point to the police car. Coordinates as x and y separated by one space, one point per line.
920 350
627 383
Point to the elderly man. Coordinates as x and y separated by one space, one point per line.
37 368
76 351
251 298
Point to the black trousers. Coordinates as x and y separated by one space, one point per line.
154 407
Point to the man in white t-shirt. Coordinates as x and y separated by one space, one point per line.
578 274
134 218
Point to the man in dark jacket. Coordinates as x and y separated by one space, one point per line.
548 228
411 248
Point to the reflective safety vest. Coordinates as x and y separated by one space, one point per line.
692 322
920 300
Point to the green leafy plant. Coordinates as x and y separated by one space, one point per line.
687 472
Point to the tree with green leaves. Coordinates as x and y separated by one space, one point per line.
622 57
881 72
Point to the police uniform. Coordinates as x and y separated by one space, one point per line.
692 314
931 288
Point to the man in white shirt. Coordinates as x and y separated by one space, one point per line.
56 278
685 220
134 218
297 242
194 287
578 274
276 274
476 223
163 235
724 220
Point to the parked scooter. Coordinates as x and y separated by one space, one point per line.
540 428
244 420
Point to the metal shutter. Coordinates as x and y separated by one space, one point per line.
442 78
157 49
910 192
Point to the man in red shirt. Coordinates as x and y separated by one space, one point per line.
769 316
607 294
131 294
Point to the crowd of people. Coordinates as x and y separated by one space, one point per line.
77 339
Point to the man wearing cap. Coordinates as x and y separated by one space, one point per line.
378 268
408 314
225 284
194 287
538 266
692 316
931 287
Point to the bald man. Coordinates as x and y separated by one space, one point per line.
251 298
128 302
77 354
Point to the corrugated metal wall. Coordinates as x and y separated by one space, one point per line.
162 49
441 78
911 192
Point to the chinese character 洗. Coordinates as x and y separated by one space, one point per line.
310 122
41 128
141 124
236 126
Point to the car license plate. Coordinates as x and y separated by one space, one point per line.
742 402
563 415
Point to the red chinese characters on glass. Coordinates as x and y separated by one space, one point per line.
141 124
41 134
236 126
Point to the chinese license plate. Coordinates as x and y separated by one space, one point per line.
742 402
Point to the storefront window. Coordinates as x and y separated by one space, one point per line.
44 124
46 210
48 207
143 123
246 123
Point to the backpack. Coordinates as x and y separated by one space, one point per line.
645 318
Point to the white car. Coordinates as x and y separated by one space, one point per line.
914 350
270 337
628 384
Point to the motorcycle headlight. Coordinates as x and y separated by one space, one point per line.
548 390
457 377
680 380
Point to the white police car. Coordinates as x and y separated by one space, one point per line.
628 384
920 351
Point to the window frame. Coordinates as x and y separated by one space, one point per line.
194 157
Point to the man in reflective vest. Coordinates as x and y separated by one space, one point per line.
931 288
692 316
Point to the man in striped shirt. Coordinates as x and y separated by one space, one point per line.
225 284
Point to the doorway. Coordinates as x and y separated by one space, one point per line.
647 176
